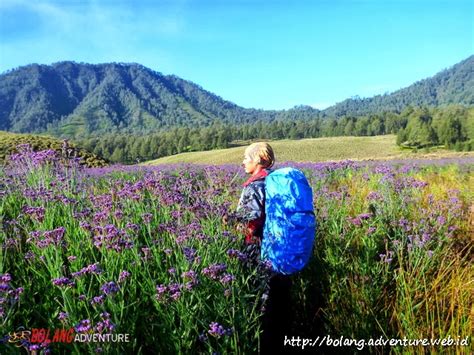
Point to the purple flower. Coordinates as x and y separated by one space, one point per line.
189 253
233 253
118 214
62 316
147 217
213 271
123 275
175 296
161 292
355 221
174 287
89 269
109 288
63 281
191 274
227 278
217 330
83 327
387 258
5 278
98 300
441 220
86 226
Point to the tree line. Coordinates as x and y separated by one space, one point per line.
450 126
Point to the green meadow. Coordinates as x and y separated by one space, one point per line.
316 150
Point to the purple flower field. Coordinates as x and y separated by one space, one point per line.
146 251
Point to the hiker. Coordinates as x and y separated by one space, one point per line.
258 160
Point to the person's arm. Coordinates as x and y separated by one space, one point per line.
251 210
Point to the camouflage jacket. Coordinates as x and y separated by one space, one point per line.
251 207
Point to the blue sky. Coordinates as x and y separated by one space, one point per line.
265 54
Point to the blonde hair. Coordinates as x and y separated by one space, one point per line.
261 153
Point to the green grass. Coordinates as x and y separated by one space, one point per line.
10 141
313 150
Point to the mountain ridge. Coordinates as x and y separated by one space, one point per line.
72 99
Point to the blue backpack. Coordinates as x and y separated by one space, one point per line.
290 224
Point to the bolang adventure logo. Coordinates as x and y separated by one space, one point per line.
38 338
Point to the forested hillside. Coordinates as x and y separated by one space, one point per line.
128 113
451 86
80 100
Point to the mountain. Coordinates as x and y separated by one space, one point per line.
77 100
73 99
451 86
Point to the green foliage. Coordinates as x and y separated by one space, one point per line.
450 126
451 86
10 141
74 100
417 129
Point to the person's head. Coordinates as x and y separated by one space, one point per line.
258 156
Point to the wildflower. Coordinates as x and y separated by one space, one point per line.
89 269
63 281
176 295
118 214
355 221
132 226
123 275
63 315
191 274
98 300
189 253
161 292
213 271
5 278
441 220
387 258
109 288
217 330
147 217
29 255
86 226
227 278
83 327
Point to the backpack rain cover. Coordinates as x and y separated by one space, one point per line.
290 224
